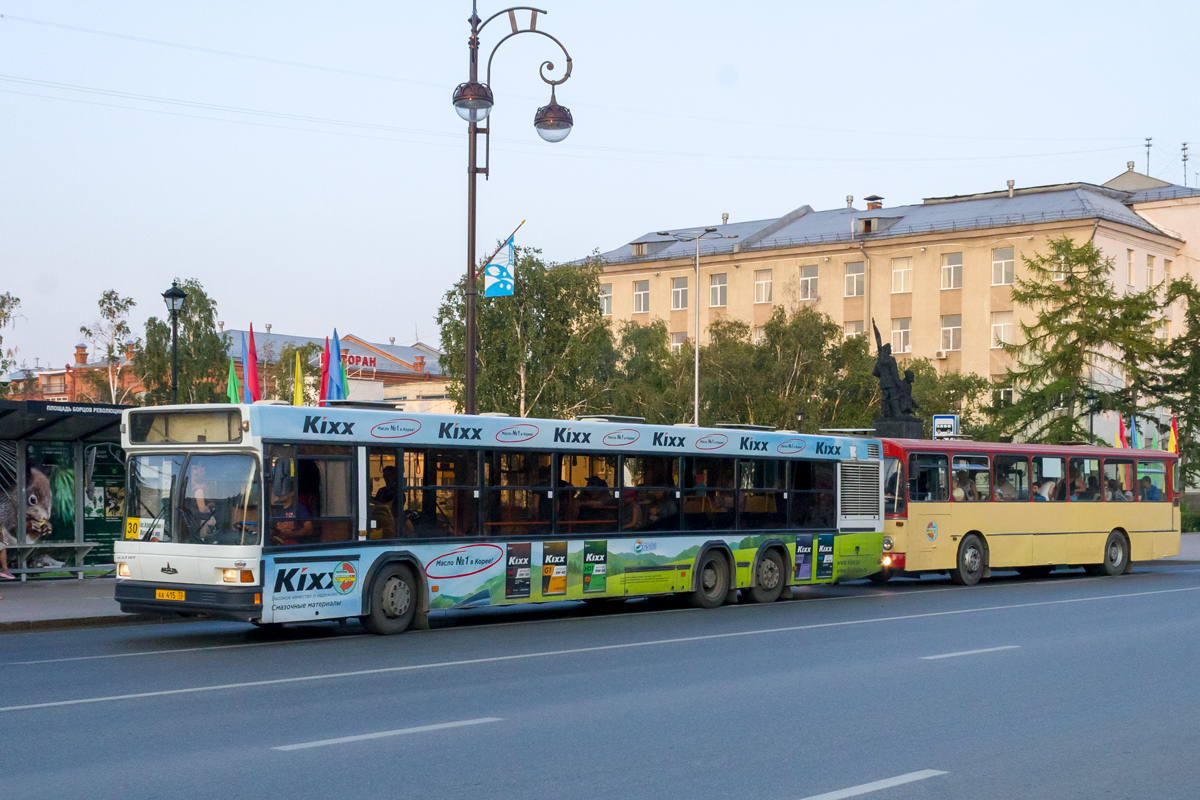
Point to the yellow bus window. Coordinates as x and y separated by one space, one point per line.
1085 480
1118 480
1152 481
1049 479
1012 479
928 478
972 479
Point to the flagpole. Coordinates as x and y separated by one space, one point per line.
498 249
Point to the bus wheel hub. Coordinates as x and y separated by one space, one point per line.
768 574
396 597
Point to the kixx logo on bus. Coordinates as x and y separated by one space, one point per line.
667 440
517 433
750 443
595 558
298 579
452 430
827 449
551 558
318 424
572 437
518 561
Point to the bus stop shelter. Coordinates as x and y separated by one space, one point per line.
62 476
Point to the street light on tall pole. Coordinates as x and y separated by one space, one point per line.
174 298
473 101
695 236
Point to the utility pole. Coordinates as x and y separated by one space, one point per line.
1185 163
1148 140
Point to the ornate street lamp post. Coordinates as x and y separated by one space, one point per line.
696 236
473 101
174 298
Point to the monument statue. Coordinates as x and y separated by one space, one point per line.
896 404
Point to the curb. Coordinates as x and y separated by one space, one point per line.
110 621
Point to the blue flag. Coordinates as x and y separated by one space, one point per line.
337 390
498 273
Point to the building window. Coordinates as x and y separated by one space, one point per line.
1149 270
1002 396
856 279
854 329
717 290
763 289
1166 270
952 270
952 332
639 249
641 297
1129 265
1002 328
1060 271
677 340
1003 264
678 294
606 299
901 275
902 335
760 333
808 283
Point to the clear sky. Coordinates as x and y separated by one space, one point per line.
311 198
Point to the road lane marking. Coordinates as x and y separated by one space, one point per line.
362 737
972 652
577 650
183 650
886 783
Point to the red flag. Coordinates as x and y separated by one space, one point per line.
1173 443
1121 440
324 372
251 370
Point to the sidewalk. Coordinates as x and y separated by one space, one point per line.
64 603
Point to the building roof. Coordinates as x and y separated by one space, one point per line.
1030 205
387 358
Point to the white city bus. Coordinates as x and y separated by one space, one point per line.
270 514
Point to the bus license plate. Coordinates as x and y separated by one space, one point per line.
169 594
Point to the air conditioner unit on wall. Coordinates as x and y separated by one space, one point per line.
941 355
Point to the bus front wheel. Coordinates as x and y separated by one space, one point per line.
969 568
712 582
393 601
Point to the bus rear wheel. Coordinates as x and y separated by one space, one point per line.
1116 556
393 601
968 570
712 582
768 578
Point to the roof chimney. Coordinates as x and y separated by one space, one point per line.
725 219
1130 165
419 363
849 201
1010 188
268 326
81 353
874 202
130 349
392 340
220 326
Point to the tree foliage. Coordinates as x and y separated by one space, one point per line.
203 352
1178 368
544 351
280 372
9 304
107 337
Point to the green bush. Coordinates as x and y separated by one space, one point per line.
1191 519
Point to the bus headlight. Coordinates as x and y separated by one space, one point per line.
123 570
229 575
887 543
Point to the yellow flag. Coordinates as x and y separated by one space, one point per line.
298 392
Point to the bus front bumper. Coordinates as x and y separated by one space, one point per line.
238 603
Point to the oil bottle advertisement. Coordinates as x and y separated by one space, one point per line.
824 556
595 566
516 571
804 560
554 569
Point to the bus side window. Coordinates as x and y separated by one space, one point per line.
587 494
928 478
1152 481
316 504
1085 480
518 503
972 479
441 494
1049 479
1118 480
814 495
1012 479
893 486
384 498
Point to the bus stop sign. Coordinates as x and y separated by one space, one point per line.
945 426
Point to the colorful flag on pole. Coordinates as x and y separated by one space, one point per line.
498 273
1133 432
298 387
250 370
231 389
324 393
1120 442
1173 442
337 388
345 382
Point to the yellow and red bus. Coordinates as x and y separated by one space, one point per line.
967 508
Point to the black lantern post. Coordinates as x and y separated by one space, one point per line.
1092 404
174 298
473 101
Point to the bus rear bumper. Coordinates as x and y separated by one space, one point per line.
238 603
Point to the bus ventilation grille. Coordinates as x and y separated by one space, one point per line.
872 450
860 490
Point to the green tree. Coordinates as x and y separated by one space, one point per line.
544 351
1076 344
1178 365
107 337
647 379
203 352
965 394
8 313
281 372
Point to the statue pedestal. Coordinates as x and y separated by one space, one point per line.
904 427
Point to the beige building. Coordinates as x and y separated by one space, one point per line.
936 277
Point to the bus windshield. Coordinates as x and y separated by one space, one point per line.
205 499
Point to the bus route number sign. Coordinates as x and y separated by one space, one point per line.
945 426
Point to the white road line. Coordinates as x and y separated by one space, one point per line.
384 734
183 650
972 652
577 650
886 783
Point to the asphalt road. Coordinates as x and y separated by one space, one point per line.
1065 687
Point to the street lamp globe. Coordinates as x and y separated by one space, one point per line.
174 298
553 122
473 101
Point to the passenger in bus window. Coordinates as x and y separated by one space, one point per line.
1004 489
964 488
290 521
1047 492
1147 491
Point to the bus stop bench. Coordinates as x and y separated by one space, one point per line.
81 549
